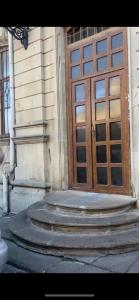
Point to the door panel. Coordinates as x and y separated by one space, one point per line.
109 140
82 133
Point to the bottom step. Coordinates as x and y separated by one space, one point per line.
49 242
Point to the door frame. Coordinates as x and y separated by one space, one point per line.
79 44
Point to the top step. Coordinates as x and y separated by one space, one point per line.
77 202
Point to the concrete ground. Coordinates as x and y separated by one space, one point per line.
24 261
21 260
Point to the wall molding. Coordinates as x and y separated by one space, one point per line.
30 139
4 140
30 183
29 124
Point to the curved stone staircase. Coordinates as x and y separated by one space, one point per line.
78 223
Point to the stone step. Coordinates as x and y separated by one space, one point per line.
88 203
44 241
83 224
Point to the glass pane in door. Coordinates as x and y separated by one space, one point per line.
114 86
102 175
117 40
115 131
81 175
88 51
79 92
101 46
80 134
100 111
100 89
102 63
116 153
75 56
100 132
88 68
115 108
116 176
117 59
81 154
101 154
80 114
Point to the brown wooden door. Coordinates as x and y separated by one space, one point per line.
98 114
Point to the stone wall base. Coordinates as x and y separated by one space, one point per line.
21 198
23 193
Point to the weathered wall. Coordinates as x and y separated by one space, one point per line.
4 141
133 65
40 104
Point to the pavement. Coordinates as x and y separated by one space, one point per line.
21 260
37 263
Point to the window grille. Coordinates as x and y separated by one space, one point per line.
75 34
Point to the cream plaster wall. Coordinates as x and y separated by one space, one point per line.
40 104
133 56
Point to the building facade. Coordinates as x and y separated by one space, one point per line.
76 120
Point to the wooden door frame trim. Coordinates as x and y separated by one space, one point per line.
69 105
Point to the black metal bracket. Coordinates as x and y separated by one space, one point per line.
20 33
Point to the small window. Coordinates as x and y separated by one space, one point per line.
5 92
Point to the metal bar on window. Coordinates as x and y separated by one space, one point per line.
79 33
5 92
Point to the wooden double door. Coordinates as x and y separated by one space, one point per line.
98 122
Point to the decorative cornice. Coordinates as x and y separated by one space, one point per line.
33 139
4 140
33 124
3 37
